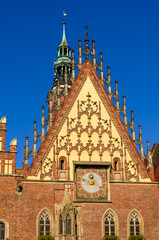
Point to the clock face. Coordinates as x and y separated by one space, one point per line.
91 183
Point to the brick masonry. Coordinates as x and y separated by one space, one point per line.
21 211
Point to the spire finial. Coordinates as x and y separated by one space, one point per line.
64 41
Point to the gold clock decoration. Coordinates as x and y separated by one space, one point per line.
91 183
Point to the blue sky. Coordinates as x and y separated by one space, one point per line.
125 31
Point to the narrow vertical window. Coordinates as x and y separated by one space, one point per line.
44 223
134 223
62 164
2 231
116 165
109 224
65 51
76 225
68 224
60 225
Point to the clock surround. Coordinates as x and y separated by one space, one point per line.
91 182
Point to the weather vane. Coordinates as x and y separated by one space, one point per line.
64 14
86 27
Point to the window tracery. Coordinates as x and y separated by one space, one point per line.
134 221
89 124
109 224
44 223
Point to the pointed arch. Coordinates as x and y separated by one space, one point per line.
135 223
44 222
4 229
110 223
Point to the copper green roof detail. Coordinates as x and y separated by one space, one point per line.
63 60
64 41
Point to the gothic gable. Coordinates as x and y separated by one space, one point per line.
87 129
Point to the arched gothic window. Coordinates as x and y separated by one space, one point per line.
109 224
60 225
68 224
44 223
134 221
2 231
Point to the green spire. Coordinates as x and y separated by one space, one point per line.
64 41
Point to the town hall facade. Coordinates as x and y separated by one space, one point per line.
87 179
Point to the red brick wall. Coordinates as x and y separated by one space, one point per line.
21 211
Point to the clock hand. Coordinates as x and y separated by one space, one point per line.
98 185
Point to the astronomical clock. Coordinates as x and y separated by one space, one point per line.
91 183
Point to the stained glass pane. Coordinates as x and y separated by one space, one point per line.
112 229
47 228
42 228
60 225
106 230
2 234
131 230
137 230
47 221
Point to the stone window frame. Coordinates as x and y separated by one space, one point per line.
8 167
75 220
140 221
116 160
6 228
115 219
62 158
51 221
